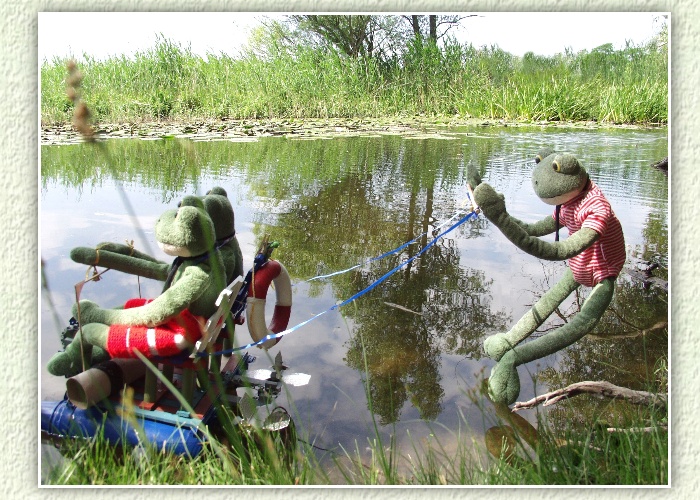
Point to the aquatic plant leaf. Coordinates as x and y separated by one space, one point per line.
247 406
277 420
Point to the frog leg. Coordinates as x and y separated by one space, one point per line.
68 362
497 345
504 384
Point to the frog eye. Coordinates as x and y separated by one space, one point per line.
556 166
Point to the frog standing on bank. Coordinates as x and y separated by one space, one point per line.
595 250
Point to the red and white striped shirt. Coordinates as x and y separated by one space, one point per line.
607 255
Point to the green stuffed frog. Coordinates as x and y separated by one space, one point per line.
220 210
127 259
595 250
172 322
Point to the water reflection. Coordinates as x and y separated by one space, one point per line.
414 343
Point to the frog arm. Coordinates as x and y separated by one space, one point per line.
127 250
558 250
124 263
493 206
540 228
169 304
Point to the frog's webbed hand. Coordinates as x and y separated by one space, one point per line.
473 176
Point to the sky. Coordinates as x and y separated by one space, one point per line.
105 34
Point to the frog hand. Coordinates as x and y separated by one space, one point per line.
87 312
492 204
473 177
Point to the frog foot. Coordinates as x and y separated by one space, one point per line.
496 346
64 364
504 383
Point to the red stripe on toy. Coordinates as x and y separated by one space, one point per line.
136 303
263 278
170 338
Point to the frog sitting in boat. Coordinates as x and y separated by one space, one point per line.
168 324
595 250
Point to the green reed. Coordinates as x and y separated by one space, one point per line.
635 453
169 82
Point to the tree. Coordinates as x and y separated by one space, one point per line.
381 37
433 23
352 35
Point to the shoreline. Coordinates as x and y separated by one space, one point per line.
307 128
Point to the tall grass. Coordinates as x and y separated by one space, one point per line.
593 455
169 82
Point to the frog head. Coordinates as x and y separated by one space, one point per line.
186 231
558 178
542 154
219 208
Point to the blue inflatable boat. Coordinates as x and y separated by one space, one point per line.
132 422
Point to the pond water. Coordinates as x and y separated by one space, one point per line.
413 342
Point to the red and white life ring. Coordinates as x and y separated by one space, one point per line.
271 272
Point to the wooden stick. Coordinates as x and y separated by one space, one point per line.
600 389
471 198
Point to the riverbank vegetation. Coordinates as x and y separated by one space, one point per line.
297 70
284 75
513 453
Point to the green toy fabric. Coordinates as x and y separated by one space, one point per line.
220 210
504 383
557 179
193 283
121 258
125 258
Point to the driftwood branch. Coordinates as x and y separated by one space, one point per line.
637 429
599 389
660 325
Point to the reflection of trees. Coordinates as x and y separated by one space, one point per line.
335 203
655 246
169 165
402 350
380 200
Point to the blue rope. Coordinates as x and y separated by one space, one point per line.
373 259
354 297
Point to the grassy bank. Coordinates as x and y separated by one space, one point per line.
636 454
168 82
